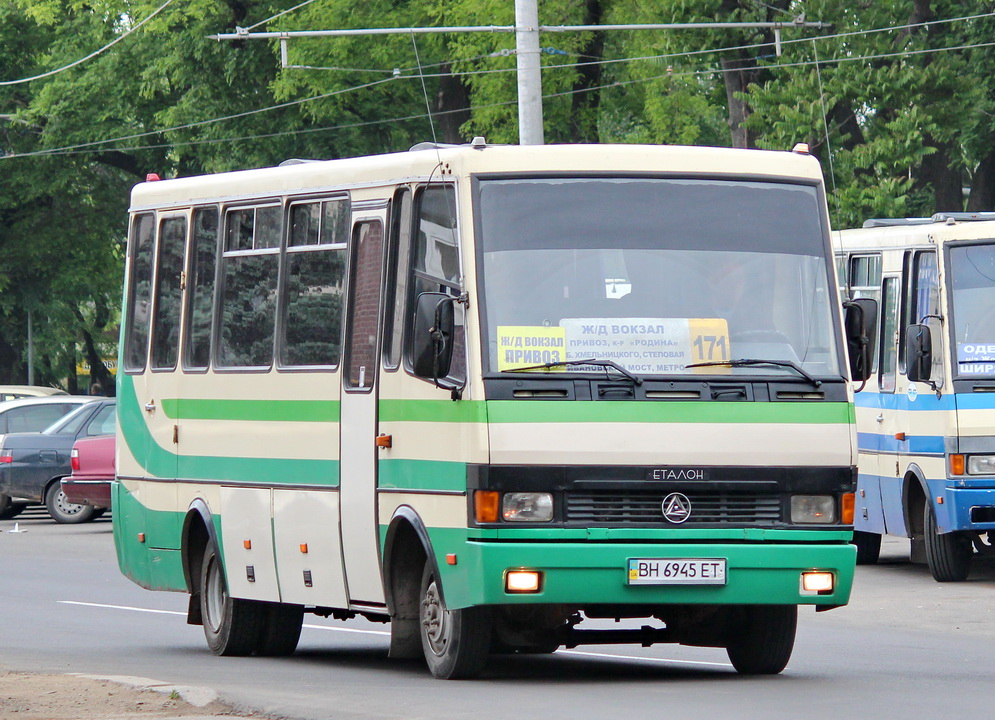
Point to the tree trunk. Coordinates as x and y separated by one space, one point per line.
736 82
453 105
937 172
982 195
584 110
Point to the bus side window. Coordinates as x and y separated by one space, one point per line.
311 306
139 292
169 268
435 266
398 270
363 314
889 335
249 269
200 289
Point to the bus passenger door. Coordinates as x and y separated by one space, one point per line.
358 428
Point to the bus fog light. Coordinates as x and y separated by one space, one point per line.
813 509
819 583
981 465
527 507
522 581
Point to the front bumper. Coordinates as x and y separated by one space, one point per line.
585 574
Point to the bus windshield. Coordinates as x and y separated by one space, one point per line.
972 279
655 274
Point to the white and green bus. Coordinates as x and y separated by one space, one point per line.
926 420
490 394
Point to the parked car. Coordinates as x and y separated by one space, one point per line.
92 461
12 392
32 465
33 414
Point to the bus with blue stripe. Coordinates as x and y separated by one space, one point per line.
926 417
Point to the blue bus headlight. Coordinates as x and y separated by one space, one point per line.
527 507
813 509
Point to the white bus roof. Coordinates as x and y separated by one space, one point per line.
907 232
424 160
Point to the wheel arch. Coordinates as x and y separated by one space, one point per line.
407 539
914 498
198 532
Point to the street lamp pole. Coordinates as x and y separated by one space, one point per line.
530 131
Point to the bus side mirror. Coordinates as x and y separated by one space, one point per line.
918 353
859 320
432 341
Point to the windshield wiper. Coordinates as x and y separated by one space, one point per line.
590 361
745 362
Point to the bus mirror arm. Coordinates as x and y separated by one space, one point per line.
432 344
860 318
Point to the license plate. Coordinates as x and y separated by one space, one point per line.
677 571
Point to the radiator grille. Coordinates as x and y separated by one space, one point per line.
613 507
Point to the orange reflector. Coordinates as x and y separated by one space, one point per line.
957 464
900 436
385 441
817 582
847 509
485 506
141 537
450 558
939 499
304 548
522 581
247 544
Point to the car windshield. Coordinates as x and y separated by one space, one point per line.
972 282
655 275
71 423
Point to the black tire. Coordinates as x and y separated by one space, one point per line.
868 547
63 511
455 643
281 629
948 555
762 639
9 509
232 626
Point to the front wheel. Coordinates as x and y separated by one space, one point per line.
868 547
63 511
455 642
762 639
948 555
232 626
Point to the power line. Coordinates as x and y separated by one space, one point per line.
623 83
91 55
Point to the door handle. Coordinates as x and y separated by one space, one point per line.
879 418
150 406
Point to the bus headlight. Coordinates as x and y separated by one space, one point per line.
813 509
981 465
527 507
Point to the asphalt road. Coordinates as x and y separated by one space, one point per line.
906 647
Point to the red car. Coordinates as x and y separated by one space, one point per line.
93 470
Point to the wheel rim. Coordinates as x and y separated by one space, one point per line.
215 594
435 619
65 507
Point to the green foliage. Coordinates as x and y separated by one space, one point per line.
910 112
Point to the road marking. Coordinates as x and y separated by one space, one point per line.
582 653
643 657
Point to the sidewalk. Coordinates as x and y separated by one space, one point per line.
31 696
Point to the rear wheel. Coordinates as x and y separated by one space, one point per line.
948 555
456 643
868 547
232 626
63 511
281 629
762 639
8 508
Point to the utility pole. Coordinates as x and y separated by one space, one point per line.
526 29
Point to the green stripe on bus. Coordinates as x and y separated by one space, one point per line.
160 462
510 411
252 410
543 411
421 475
